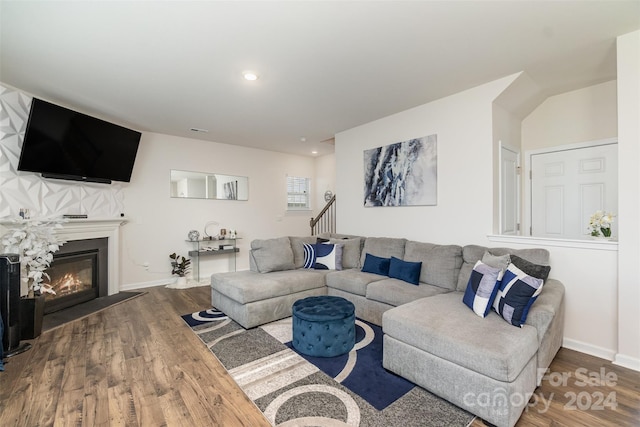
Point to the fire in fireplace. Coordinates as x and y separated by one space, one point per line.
77 274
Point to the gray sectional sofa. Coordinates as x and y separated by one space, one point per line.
484 365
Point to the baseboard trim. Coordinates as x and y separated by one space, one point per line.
593 350
627 362
142 285
169 282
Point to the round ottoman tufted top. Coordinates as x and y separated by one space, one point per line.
323 308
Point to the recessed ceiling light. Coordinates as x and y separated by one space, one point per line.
199 130
250 75
314 152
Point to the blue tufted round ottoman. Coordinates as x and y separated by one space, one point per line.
324 326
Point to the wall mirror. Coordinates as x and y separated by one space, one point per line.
215 186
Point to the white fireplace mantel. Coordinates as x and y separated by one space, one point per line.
80 229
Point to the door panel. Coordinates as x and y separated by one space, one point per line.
568 186
554 214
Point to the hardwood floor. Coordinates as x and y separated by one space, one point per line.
133 364
138 364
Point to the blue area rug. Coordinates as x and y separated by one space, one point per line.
368 378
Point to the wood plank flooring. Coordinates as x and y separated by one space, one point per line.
138 364
133 364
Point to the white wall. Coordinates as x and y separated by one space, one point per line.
464 213
628 51
468 130
589 274
587 270
599 278
325 180
582 115
506 130
43 197
159 224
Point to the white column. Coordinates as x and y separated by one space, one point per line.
628 51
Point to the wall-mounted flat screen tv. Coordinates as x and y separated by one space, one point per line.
64 144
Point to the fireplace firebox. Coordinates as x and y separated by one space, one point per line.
77 274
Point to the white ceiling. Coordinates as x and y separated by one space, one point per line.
324 66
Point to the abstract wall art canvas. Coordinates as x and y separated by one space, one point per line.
402 174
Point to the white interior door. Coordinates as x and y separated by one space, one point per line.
509 190
568 186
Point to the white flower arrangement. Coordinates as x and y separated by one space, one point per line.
35 241
600 222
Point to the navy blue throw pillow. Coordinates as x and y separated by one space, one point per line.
376 265
405 270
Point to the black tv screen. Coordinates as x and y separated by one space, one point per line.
62 143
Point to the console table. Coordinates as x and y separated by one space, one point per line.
206 248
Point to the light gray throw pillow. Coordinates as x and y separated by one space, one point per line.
350 251
496 261
273 254
297 246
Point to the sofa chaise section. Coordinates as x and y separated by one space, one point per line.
484 365
451 353
252 299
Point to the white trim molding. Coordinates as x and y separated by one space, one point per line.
593 350
627 362
603 245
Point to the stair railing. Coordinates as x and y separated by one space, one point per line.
325 222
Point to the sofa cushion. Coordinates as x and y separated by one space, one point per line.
406 271
548 305
440 263
272 254
352 281
383 247
472 253
396 292
442 326
376 265
248 286
482 288
298 248
518 291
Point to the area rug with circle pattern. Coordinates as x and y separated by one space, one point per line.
296 390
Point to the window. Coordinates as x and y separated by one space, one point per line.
298 193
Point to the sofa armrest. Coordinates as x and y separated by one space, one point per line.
252 262
547 306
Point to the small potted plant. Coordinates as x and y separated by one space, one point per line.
600 224
35 241
180 267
